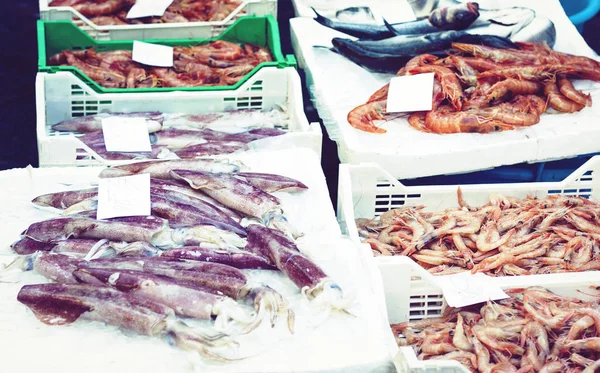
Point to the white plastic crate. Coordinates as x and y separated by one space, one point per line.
190 30
411 295
62 96
367 190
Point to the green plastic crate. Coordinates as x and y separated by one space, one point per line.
57 36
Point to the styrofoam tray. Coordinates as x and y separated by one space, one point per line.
62 96
338 85
357 343
191 30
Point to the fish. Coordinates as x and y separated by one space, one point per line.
458 17
161 169
356 14
385 56
60 304
359 30
92 123
270 182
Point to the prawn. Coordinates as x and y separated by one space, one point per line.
514 86
362 117
104 8
522 111
559 102
566 88
417 121
445 121
541 72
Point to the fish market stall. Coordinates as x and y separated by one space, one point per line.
338 86
323 339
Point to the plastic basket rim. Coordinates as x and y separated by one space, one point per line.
281 61
107 28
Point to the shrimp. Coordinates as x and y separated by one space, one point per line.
463 249
559 102
380 94
483 356
539 72
579 327
592 368
362 117
552 367
522 111
587 344
446 121
495 54
104 77
566 88
459 339
450 83
534 335
480 64
417 121
489 238
436 344
467 74
514 86
494 338
104 8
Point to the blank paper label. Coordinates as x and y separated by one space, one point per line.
124 196
126 134
148 8
152 54
410 93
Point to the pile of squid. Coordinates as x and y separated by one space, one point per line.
181 136
114 12
218 63
534 330
209 222
505 237
484 89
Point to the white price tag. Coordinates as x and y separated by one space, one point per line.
464 289
152 54
410 93
124 196
398 11
126 134
148 8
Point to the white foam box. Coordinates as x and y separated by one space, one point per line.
337 85
61 96
190 30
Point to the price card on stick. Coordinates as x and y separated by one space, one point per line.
124 196
152 54
410 93
464 289
126 134
148 8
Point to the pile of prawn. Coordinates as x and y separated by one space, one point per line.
532 331
217 63
505 237
484 89
114 12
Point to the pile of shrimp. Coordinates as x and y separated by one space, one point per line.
505 237
114 12
484 89
217 63
532 331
